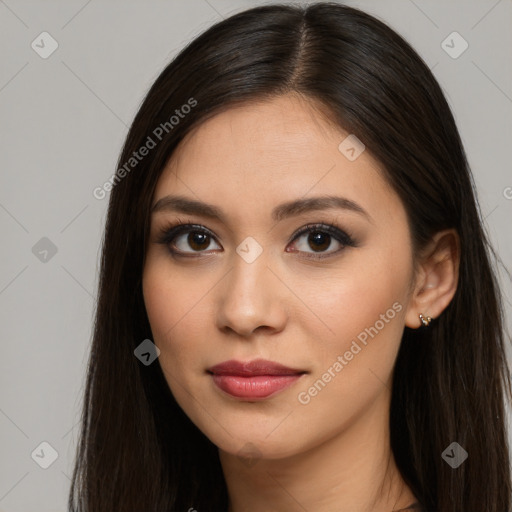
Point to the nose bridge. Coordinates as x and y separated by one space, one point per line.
250 271
249 298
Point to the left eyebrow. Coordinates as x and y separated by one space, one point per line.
299 206
285 210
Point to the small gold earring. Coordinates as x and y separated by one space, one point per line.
425 321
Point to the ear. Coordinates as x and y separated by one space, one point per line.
436 278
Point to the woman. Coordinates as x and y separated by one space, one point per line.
297 309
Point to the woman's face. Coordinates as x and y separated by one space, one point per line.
246 285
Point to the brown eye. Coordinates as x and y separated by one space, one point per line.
319 241
193 240
318 238
186 239
197 240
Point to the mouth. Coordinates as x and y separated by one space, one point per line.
254 380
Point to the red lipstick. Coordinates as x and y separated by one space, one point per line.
257 379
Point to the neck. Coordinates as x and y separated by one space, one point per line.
352 470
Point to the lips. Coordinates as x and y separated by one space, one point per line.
255 380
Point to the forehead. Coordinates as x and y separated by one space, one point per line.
280 131
251 157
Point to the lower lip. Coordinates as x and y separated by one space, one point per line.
258 386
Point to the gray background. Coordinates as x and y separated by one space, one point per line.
63 120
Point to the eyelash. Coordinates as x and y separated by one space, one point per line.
168 234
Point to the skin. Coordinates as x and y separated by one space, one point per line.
332 453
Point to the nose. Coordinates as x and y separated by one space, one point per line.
251 298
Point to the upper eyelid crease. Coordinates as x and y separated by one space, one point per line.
167 235
183 204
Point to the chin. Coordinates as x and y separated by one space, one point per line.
247 443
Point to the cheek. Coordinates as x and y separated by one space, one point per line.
353 366
364 308
161 305
365 287
175 304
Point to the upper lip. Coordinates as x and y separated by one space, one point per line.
251 368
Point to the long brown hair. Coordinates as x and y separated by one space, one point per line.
137 449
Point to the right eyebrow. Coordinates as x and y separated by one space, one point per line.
184 204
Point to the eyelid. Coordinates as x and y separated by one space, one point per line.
169 233
332 229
